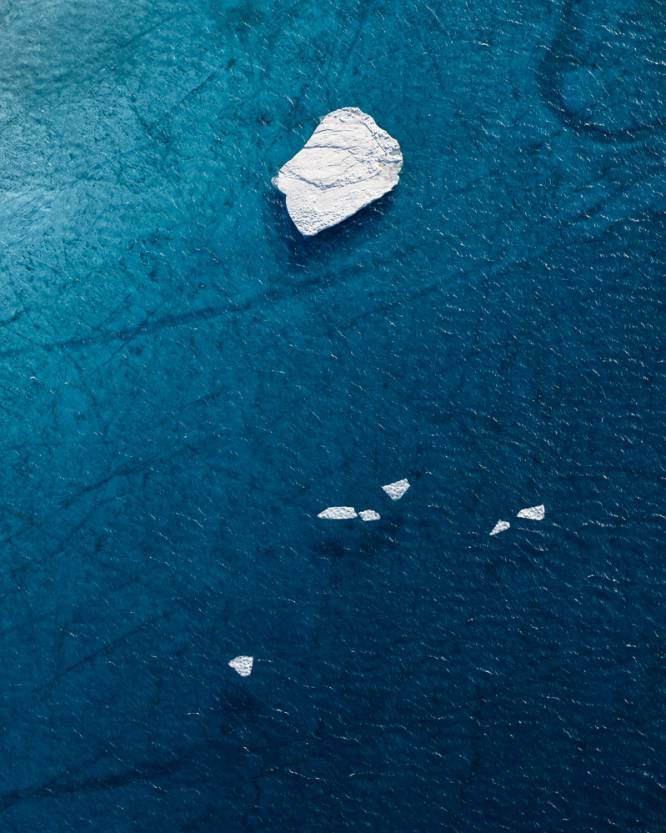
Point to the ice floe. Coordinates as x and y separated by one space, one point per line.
369 515
396 490
533 513
242 665
338 513
500 526
347 163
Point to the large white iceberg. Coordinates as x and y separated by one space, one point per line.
347 163
396 490
338 513
242 665
533 513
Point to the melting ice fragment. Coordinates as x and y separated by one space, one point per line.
533 513
242 665
347 163
396 490
369 515
500 526
338 513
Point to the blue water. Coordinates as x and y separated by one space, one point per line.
185 382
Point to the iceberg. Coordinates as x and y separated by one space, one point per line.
369 515
242 665
500 526
347 163
396 490
533 513
338 513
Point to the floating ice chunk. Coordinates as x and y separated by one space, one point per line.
396 490
500 526
338 513
242 665
369 515
533 513
347 163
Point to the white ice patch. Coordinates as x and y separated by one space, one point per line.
396 490
369 515
338 513
242 665
347 163
533 513
500 526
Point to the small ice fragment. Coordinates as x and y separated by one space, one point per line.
396 490
242 665
500 526
338 513
533 513
369 515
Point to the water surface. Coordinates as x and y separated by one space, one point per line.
186 382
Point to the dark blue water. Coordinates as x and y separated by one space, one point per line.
185 382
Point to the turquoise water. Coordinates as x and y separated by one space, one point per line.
186 382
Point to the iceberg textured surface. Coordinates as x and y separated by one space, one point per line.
338 513
242 665
347 163
369 515
500 526
396 490
533 513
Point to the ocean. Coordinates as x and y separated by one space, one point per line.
186 382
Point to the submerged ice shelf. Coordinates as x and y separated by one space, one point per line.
347 163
